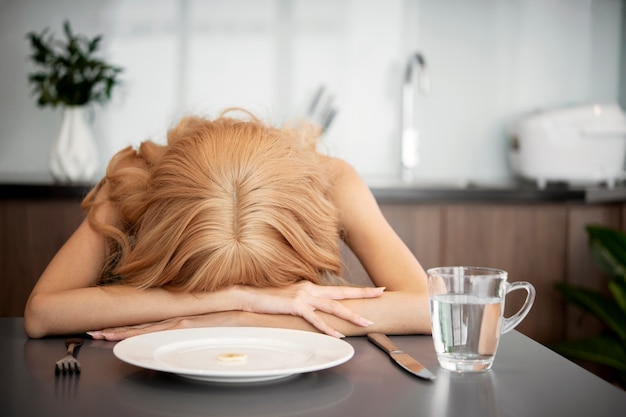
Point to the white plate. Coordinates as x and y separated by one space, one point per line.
268 353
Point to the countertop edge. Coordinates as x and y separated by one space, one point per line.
44 191
383 194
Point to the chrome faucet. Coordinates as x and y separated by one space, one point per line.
410 136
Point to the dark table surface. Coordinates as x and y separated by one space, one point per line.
527 380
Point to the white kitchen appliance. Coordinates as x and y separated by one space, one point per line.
579 145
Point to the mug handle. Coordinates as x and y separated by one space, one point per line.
509 323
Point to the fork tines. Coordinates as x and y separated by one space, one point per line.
68 364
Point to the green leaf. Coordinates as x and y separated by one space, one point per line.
604 350
618 291
93 45
608 247
68 30
597 304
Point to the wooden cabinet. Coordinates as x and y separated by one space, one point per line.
541 243
31 232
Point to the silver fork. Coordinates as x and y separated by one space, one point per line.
69 363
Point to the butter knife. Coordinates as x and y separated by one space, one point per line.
401 358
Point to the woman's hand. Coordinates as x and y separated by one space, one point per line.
301 299
203 320
304 298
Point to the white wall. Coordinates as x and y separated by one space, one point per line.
490 61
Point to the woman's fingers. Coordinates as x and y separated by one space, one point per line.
124 332
309 298
304 298
339 310
340 292
202 320
316 321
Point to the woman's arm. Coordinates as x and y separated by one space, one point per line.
395 312
404 306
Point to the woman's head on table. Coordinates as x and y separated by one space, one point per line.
225 202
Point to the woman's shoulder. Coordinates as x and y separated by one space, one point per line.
342 172
348 188
338 167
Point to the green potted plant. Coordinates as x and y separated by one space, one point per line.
71 76
608 248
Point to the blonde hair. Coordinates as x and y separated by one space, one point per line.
225 202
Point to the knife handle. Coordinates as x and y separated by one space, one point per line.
383 342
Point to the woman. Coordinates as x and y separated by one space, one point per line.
232 223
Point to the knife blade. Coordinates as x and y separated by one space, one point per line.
403 359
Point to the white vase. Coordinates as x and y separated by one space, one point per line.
74 155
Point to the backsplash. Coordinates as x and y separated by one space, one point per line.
489 62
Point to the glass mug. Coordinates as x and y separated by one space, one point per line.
467 314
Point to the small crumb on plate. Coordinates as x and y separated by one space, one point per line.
232 358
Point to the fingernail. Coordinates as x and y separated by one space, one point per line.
95 334
365 322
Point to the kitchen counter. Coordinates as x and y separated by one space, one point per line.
391 192
398 192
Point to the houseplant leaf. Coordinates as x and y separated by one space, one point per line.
597 304
608 247
618 291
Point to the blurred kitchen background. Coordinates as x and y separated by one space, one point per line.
489 63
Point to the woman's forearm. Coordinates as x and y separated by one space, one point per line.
392 313
94 308
396 312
